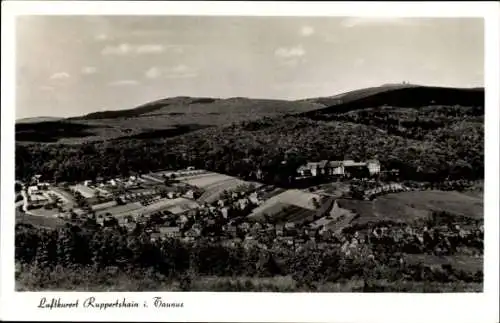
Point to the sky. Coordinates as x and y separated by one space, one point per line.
73 65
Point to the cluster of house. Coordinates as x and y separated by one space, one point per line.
218 222
387 188
189 222
99 182
341 168
35 193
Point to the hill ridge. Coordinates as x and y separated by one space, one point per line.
319 103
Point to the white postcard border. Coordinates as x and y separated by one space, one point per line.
260 307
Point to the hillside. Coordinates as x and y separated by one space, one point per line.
356 94
426 142
37 119
205 106
180 115
404 95
157 119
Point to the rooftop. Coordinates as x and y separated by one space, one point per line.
169 229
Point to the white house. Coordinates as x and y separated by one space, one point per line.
310 169
32 189
37 200
189 194
336 168
373 166
254 198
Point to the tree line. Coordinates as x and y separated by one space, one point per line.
99 249
269 150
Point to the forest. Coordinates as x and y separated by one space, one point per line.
47 258
433 143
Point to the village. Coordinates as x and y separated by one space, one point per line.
192 203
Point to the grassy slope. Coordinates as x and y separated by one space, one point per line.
39 221
37 119
163 118
408 206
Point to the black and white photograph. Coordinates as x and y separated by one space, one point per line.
263 154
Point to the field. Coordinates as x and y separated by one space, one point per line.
294 214
121 210
336 225
183 205
167 204
298 199
409 206
213 192
273 192
292 197
420 204
206 180
462 262
42 212
102 206
213 184
40 221
282 213
177 205
333 189
87 192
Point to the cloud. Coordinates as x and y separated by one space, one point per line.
150 49
124 83
122 49
101 37
153 73
131 49
173 72
181 71
291 52
291 62
374 21
290 56
307 31
87 70
177 48
59 76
